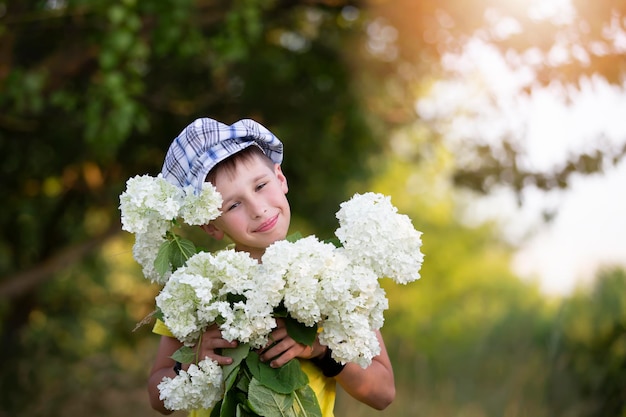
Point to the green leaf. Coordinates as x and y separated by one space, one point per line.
266 402
173 253
158 314
243 382
284 380
300 332
280 310
162 260
230 378
229 404
235 298
215 412
184 355
238 354
305 402
292 374
294 237
243 411
301 403
335 241
182 249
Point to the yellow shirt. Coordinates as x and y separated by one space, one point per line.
324 387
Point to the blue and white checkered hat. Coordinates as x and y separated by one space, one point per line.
205 142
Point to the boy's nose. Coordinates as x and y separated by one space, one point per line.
258 210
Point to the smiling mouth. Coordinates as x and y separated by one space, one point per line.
267 225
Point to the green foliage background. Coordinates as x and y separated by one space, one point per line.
92 92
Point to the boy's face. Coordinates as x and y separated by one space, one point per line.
255 211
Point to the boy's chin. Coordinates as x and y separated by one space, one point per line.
280 237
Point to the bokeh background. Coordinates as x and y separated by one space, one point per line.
478 117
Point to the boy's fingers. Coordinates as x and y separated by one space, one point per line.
283 352
223 360
288 354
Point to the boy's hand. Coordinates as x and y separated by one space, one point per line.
283 348
211 341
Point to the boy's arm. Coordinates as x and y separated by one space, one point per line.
164 365
373 385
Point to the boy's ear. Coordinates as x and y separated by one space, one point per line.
281 177
213 231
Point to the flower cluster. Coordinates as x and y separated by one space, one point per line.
150 206
198 387
207 288
334 290
376 236
324 286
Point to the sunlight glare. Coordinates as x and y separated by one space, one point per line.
560 12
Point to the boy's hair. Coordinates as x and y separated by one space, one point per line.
229 165
206 142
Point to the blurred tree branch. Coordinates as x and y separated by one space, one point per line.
18 284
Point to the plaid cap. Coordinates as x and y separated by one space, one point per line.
205 142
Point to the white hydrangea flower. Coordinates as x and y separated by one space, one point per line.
368 298
235 271
200 387
350 339
246 325
181 298
375 235
271 287
211 311
145 251
149 204
235 297
223 266
324 286
336 282
302 265
353 306
202 208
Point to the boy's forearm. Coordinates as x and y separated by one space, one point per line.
153 391
373 386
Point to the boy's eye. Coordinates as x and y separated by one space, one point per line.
260 186
232 206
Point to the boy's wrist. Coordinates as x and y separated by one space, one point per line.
178 367
319 354
325 362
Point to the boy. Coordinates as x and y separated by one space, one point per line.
243 162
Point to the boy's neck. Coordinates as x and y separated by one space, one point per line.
255 254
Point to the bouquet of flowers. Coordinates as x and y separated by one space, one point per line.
325 290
